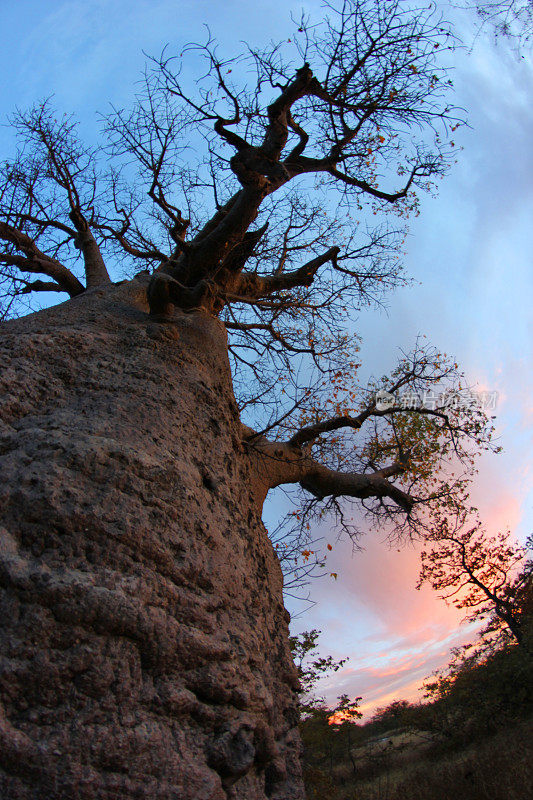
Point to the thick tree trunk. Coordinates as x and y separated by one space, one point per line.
144 649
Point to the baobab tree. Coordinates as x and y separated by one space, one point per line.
145 646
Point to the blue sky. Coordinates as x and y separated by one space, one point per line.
469 253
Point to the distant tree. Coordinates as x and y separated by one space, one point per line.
327 730
489 576
311 666
512 19
331 731
488 681
482 689
392 716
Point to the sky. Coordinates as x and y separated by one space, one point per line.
469 254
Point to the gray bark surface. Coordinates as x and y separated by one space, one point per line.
144 643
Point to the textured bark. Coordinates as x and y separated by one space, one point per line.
144 649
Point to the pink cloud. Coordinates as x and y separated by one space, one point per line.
382 580
395 636
401 679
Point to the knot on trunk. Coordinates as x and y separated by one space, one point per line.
233 753
164 293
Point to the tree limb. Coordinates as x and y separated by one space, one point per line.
37 261
252 285
281 463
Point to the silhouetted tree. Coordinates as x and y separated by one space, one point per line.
489 576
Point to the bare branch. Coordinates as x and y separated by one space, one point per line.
255 286
36 261
282 463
